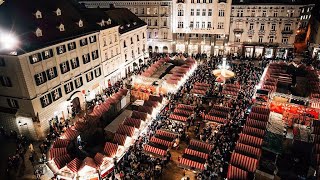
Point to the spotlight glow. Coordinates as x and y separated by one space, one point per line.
8 41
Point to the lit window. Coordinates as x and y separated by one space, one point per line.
56 94
68 88
52 73
5 81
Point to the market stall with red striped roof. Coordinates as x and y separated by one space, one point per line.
244 162
110 149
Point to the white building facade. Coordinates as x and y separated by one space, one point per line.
156 13
267 30
53 81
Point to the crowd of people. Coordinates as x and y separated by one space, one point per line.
222 136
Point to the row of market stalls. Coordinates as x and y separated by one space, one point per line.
200 88
68 165
161 78
231 89
246 155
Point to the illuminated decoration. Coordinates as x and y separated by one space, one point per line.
8 41
222 74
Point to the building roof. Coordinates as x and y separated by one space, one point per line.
271 2
23 22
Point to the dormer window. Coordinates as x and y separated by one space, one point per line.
128 25
102 23
80 23
58 12
134 23
121 27
61 27
109 21
38 32
38 15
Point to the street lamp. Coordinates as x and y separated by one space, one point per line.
8 41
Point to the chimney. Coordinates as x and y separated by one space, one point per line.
112 6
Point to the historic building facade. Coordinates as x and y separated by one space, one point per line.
156 13
201 26
65 64
264 29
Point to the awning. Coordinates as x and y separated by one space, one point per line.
200 144
244 162
235 173
196 153
248 150
166 133
61 161
70 134
119 139
132 122
260 110
253 131
182 112
110 149
154 150
215 119
145 109
139 115
74 165
99 159
184 106
56 152
250 140
178 118
125 130
256 124
60 143
260 117
192 164
161 141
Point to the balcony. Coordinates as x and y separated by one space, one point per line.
238 30
261 32
287 31
222 1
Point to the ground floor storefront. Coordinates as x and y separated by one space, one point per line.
269 52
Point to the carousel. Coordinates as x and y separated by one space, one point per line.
222 74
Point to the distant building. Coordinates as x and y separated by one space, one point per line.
264 27
313 34
156 13
65 53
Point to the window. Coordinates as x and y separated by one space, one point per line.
75 63
192 12
221 13
5 81
275 14
97 72
284 40
191 24
260 39
156 34
92 39
204 12
40 78
251 26
180 24
253 13
164 22
110 40
180 12
135 10
83 42
287 27
104 42
273 27
86 58
52 73
124 44
192 1
210 12
95 55
271 39
204 1
56 94
155 10
149 22
149 35
35 58
115 38
47 54
68 88
2 62
138 50
71 46
64 67
264 13
197 24
143 36
198 12
138 39
131 40
210 1
78 82
46 100
142 11
220 25
13 103
132 54
148 10
209 24
89 76
262 27
165 35
203 25
155 22
61 49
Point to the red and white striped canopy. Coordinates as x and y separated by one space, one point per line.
178 118
99 159
88 161
196 153
198 91
161 141
200 144
253 131
70 134
201 84
235 173
154 150
183 112
132 122
248 150
62 161
110 149
250 140
190 163
166 133
151 103
244 162
74 165
256 124
125 130
260 110
60 143
56 152
215 119
260 117
119 139
187 107
145 109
